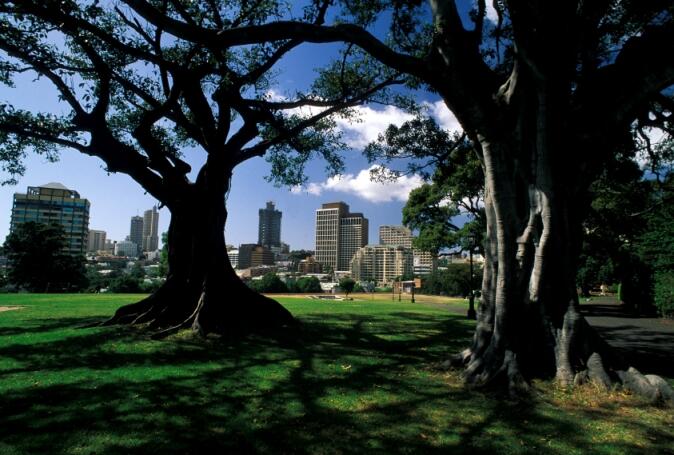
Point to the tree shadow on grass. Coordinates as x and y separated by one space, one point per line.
343 383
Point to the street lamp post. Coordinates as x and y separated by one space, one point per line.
471 297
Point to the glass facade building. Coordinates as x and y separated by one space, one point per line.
53 203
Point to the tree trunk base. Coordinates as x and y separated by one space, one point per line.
595 362
230 310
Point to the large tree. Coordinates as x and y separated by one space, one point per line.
134 95
547 92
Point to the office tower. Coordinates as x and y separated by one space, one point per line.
339 234
150 229
424 262
53 203
96 241
381 263
395 235
136 232
269 227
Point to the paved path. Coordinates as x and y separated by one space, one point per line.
646 342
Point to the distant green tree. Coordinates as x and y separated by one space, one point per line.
347 284
454 281
656 247
125 284
163 256
37 262
308 284
137 271
270 283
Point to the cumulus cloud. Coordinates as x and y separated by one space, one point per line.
443 115
361 185
370 123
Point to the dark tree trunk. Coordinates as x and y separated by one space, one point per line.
202 291
529 323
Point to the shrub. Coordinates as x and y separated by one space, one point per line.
270 283
664 293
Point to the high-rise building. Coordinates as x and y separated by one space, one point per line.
339 234
424 262
96 241
136 232
269 228
53 203
150 229
381 263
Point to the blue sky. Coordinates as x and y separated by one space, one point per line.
115 198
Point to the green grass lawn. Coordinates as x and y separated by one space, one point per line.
357 377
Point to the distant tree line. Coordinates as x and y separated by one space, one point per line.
36 262
272 284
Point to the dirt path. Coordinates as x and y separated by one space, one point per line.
9 308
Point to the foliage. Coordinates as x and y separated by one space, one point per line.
163 256
306 284
347 285
270 283
37 262
664 293
656 245
454 281
125 284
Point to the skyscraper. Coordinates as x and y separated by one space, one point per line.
150 230
96 241
269 228
136 232
53 203
339 234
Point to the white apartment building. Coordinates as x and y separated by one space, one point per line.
381 263
126 248
424 262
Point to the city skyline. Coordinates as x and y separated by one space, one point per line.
115 198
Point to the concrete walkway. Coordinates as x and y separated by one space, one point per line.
646 342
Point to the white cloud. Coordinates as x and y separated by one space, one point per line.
362 186
443 115
370 123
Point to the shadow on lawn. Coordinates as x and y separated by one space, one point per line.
342 383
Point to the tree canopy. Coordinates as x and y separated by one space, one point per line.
37 262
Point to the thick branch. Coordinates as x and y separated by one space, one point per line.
283 30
